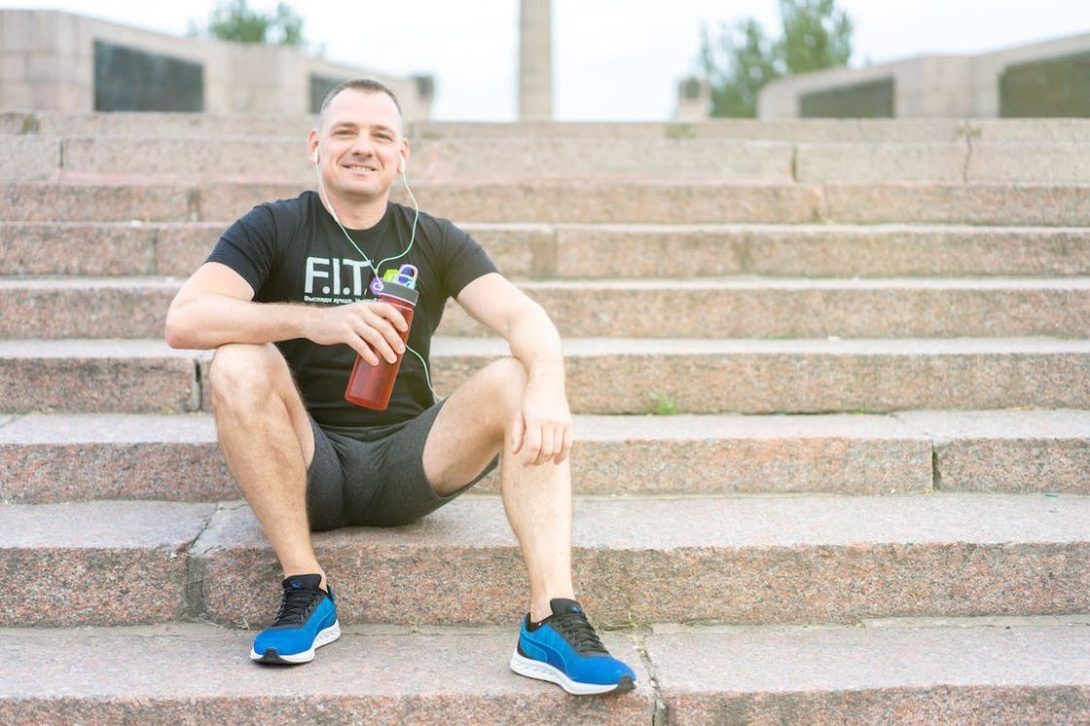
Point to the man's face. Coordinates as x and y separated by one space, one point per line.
359 145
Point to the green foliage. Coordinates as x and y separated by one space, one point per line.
662 404
235 21
742 59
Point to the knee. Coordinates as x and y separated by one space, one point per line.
506 380
242 375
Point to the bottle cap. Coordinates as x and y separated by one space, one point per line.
393 289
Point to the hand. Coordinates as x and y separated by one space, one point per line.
370 327
542 427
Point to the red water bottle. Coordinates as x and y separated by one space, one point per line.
370 385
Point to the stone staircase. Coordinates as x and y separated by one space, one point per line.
863 497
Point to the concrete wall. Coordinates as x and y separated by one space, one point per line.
926 86
47 63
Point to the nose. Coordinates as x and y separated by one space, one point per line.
363 146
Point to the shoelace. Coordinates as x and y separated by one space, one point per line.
295 605
578 632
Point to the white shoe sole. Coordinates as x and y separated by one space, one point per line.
324 637
543 671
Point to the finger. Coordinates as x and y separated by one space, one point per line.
518 433
389 312
360 346
533 444
565 446
376 340
386 330
548 444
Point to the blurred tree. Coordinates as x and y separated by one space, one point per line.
741 59
234 20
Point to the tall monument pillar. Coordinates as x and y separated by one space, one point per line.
535 61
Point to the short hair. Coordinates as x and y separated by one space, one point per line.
364 85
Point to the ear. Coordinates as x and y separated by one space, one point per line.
403 152
312 146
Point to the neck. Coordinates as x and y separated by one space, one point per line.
356 215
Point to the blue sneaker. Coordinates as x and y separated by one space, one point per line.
307 620
564 649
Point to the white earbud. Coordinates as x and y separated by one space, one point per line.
314 157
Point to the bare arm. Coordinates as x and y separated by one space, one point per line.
544 427
215 307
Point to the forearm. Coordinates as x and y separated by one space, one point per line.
535 341
209 321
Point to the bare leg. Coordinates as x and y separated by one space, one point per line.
473 425
265 436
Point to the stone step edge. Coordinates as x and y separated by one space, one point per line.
963 451
221 566
905 668
710 283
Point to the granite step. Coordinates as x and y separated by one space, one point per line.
729 307
74 457
693 559
950 671
615 375
284 158
580 201
1028 670
198 674
893 131
565 251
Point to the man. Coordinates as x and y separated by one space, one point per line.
284 300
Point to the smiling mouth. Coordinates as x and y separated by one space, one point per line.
360 168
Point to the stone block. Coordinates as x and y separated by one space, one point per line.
881 163
189 673
1029 672
96 563
96 376
43 248
29 158
979 204
48 202
805 559
1054 163
56 458
1008 451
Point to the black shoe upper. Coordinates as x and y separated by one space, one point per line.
300 597
570 621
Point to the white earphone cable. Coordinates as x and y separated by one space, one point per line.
375 268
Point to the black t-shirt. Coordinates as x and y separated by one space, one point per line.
293 251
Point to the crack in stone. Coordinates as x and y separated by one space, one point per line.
196 603
659 716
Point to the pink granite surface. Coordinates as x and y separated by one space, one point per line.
1008 451
759 307
93 376
97 562
1022 673
737 307
47 248
898 249
110 307
814 558
53 458
881 163
197 674
623 375
615 202
94 202
1002 204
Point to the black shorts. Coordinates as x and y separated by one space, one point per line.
374 482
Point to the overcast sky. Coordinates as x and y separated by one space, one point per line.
612 59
